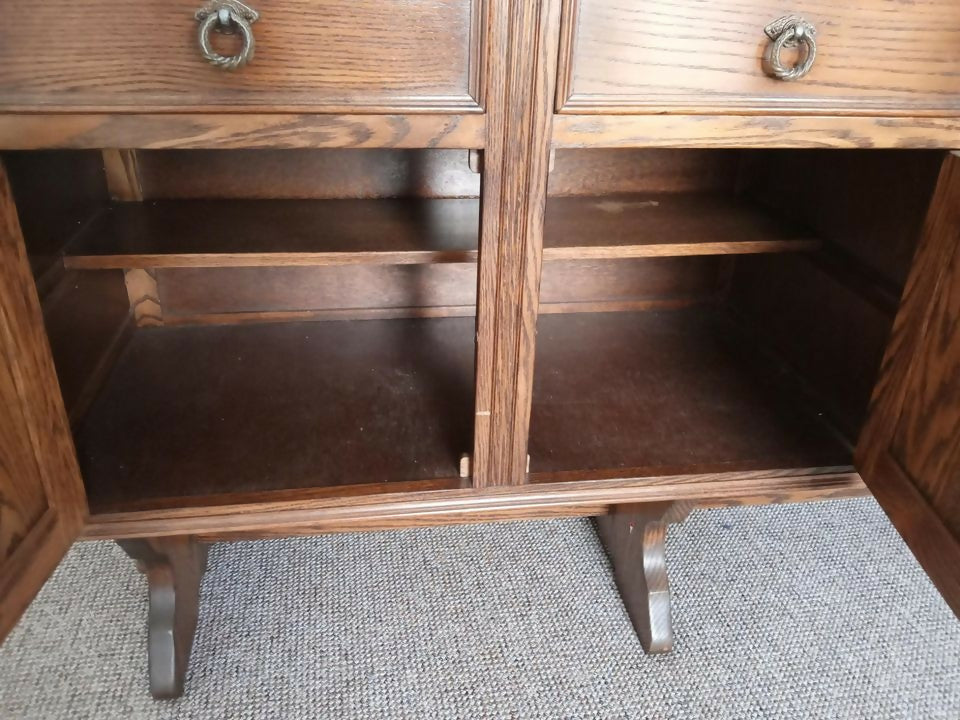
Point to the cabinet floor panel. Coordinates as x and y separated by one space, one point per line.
666 392
245 408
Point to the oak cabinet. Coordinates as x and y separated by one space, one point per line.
434 288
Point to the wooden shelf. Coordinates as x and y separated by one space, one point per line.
208 410
664 225
254 233
666 393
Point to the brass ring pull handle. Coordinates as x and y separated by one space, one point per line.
790 31
229 17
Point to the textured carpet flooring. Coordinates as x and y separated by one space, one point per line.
810 611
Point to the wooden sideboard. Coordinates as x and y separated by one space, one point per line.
415 263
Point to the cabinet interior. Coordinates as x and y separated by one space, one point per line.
247 323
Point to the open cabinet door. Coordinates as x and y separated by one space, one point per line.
42 502
909 451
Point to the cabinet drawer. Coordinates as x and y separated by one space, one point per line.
310 55
872 56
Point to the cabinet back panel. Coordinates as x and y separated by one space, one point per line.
616 171
195 294
56 193
820 326
869 203
175 174
85 317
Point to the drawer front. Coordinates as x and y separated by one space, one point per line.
310 55
633 56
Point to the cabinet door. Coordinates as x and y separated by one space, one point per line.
42 503
909 451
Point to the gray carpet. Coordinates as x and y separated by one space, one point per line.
811 611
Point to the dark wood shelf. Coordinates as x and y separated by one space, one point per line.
254 233
666 392
665 225
246 408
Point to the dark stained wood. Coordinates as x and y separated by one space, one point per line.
666 391
330 56
198 233
629 280
831 334
167 234
357 291
230 130
521 82
325 174
174 567
42 503
187 292
701 131
280 406
85 319
668 56
617 171
664 224
422 504
57 194
634 537
869 204
908 451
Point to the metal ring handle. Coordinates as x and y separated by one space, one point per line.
227 16
789 32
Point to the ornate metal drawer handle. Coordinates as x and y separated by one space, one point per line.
229 17
790 31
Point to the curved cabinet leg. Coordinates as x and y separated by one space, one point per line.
174 567
634 536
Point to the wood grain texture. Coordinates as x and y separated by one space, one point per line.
634 537
908 448
521 82
665 389
41 492
280 406
326 55
122 170
671 56
754 131
174 567
355 508
234 131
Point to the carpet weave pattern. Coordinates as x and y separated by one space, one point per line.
805 611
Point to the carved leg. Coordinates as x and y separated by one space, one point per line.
174 567
634 536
